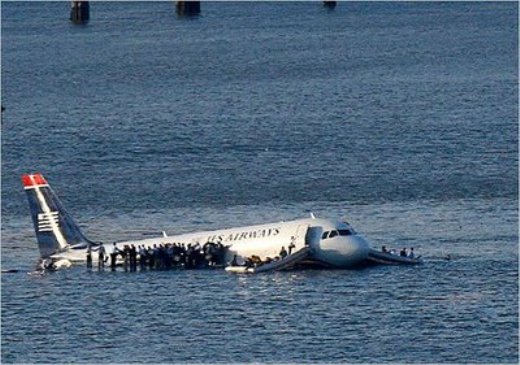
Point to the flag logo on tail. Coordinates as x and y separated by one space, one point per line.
46 221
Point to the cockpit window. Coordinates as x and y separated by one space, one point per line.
340 232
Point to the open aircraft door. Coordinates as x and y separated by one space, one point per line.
307 236
300 238
313 237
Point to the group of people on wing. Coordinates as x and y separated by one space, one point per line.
173 255
403 253
161 256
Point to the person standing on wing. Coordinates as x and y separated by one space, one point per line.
101 255
291 246
283 252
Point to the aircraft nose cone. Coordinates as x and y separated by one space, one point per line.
361 247
343 251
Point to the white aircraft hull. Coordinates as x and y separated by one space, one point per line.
264 241
333 244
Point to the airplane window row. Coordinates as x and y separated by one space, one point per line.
331 234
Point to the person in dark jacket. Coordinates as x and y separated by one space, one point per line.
89 256
283 252
101 256
133 257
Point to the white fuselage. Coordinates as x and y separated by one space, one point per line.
342 249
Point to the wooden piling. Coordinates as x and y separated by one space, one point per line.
187 8
79 12
329 4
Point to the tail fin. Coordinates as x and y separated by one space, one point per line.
55 228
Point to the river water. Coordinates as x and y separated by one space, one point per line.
401 117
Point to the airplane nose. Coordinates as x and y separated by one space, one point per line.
360 247
343 251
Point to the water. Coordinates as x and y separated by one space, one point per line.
401 117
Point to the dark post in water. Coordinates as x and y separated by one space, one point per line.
79 12
188 7
329 4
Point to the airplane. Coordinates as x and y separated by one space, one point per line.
330 244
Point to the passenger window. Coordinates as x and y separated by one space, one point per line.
324 235
333 234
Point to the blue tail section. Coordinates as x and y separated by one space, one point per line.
55 229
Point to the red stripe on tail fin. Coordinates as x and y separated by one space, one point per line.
27 181
33 180
39 179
